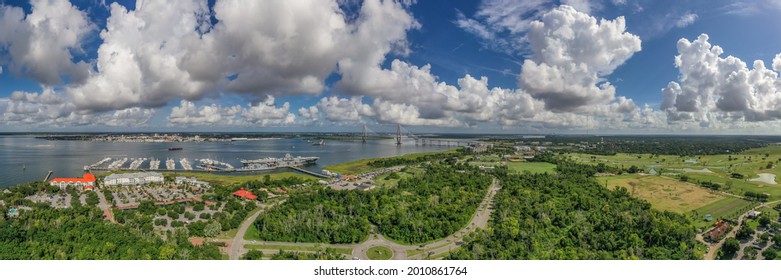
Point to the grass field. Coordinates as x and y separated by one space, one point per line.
520 167
532 167
383 180
362 165
228 234
748 163
252 234
667 194
345 251
664 193
236 179
728 207
379 253
738 187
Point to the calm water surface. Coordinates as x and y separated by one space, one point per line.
24 158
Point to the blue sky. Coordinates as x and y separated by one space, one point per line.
322 66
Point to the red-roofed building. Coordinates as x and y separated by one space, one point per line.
245 194
719 231
85 183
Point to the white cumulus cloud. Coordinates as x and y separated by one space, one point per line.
41 44
572 53
261 114
712 89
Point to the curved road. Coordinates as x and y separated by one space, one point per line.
479 220
237 244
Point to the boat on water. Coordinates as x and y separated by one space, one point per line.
321 143
175 148
273 163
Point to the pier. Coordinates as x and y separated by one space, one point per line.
48 175
299 169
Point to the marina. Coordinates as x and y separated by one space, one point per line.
154 164
72 157
206 164
185 164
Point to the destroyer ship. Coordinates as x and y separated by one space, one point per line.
273 163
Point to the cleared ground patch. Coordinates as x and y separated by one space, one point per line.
665 193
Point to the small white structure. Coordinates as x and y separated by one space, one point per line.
753 214
523 148
133 179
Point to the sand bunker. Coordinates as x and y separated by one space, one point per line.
765 178
704 170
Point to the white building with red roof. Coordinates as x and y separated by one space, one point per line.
85 183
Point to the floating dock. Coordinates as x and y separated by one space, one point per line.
154 164
207 165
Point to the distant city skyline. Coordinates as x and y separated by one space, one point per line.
489 66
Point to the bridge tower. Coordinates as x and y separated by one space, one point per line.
365 132
398 134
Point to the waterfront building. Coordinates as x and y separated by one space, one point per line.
85 183
133 179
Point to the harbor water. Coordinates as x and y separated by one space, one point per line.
25 158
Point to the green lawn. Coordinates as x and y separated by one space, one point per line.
532 167
225 179
379 253
361 166
228 234
728 207
664 193
520 167
252 234
345 251
739 187
384 181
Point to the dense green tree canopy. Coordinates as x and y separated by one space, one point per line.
570 216
422 208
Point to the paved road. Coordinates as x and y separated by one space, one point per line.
105 207
237 244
